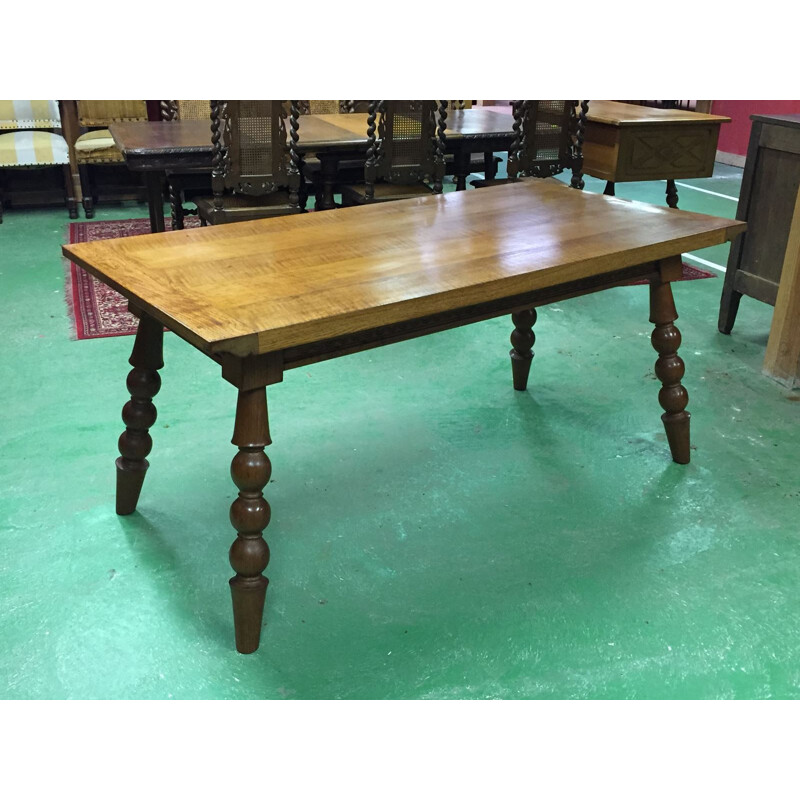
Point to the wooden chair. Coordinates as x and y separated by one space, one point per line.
183 186
548 138
255 162
405 154
30 149
99 160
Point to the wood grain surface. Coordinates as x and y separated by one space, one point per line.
260 286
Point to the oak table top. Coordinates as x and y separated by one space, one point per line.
265 296
613 112
252 287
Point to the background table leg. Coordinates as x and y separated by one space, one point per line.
672 194
522 339
673 397
250 514
139 413
155 200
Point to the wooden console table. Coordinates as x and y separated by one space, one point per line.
266 296
625 142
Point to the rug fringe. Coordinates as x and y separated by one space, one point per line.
66 265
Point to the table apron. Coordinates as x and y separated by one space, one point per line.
271 366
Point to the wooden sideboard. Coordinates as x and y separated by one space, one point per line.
770 183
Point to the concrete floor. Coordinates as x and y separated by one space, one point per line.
434 533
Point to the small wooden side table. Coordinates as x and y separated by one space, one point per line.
625 142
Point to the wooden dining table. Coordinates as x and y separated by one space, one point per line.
157 148
263 297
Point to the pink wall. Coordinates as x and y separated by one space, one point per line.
734 135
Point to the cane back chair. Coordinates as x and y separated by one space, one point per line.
99 160
548 138
255 161
405 152
183 186
29 150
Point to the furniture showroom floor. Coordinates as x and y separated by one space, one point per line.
434 533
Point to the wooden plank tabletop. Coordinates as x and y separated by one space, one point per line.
255 287
143 138
613 112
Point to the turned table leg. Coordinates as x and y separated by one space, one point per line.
329 171
673 397
461 169
250 513
672 194
139 413
522 339
155 200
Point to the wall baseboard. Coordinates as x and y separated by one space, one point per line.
733 159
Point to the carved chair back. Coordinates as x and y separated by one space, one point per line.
185 109
548 138
253 151
406 142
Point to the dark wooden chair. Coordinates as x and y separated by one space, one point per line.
183 186
255 161
548 138
101 165
405 152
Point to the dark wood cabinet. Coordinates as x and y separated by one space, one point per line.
769 188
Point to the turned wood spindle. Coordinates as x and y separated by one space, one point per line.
250 514
522 340
669 368
139 413
577 182
672 193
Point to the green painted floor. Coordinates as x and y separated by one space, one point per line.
434 533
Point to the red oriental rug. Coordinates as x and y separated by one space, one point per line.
98 311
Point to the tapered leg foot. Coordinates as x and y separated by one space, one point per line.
250 514
139 413
610 189
521 353
669 368
729 305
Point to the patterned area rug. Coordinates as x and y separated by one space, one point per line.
98 311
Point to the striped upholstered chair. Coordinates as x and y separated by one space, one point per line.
98 157
30 147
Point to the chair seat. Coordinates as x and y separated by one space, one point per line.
384 192
237 207
32 149
97 147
